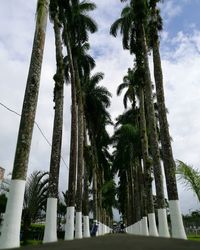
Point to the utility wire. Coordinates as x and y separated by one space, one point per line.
43 135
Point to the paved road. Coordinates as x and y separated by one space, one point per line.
120 242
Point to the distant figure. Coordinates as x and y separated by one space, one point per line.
114 228
122 228
94 228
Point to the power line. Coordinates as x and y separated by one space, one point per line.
43 135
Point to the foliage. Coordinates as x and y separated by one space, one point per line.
35 196
35 199
108 196
129 82
189 176
194 237
35 236
192 219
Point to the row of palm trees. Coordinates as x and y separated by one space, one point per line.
139 25
137 136
89 117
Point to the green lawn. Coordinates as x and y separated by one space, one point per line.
33 242
193 237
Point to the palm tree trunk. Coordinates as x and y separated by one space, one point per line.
50 234
99 197
86 229
78 230
79 194
94 173
153 137
128 201
178 230
131 182
69 228
95 199
137 204
131 195
144 226
148 197
11 226
101 210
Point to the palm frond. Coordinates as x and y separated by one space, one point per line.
189 176
122 86
115 27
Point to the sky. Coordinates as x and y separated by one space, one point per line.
180 52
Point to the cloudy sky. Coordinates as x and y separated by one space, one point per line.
180 50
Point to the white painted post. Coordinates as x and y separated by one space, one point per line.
78 226
50 232
152 225
10 234
178 230
162 223
69 227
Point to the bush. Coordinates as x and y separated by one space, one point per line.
36 232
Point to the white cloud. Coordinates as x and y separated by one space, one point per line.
171 9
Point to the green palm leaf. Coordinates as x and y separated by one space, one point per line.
189 176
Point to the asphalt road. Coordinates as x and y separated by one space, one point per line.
121 242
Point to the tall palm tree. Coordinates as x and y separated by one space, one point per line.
135 92
83 65
189 176
50 233
69 230
11 226
77 25
132 24
125 140
87 182
147 162
142 62
168 160
96 100
103 171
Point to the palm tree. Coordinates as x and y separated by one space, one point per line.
189 176
108 196
168 160
96 100
85 63
77 25
147 162
83 67
35 198
127 144
11 227
50 233
87 182
69 230
134 84
128 82
132 24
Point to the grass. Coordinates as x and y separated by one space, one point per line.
193 237
33 242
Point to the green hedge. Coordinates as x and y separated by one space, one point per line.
36 232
